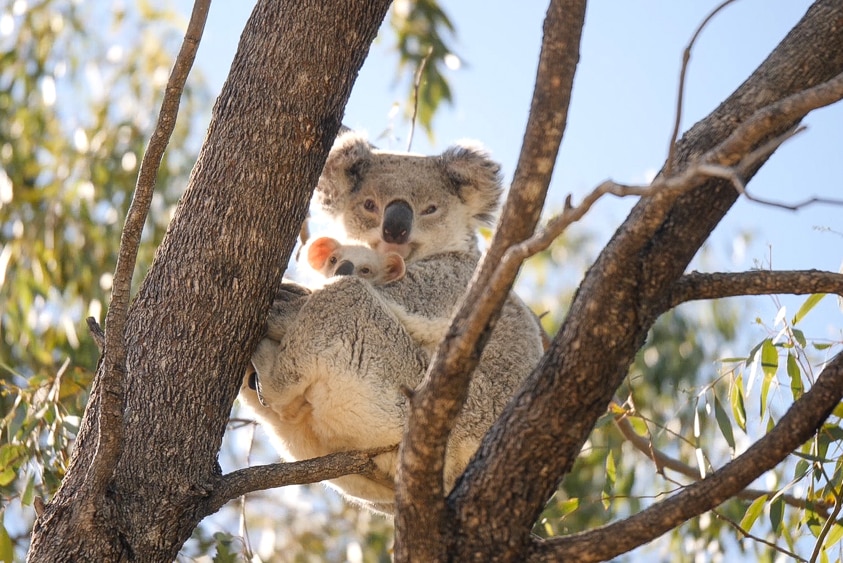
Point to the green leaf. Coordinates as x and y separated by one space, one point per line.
724 423
7 475
776 513
568 506
752 513
838 410
737 402
769 364
807 306
821 345
7 548
28 491
795 376
799 336
834 536
610 468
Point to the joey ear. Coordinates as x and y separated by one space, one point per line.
394 267
476 179
319 250
344 169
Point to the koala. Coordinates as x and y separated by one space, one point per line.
331 369
331 258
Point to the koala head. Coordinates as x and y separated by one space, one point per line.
413 205
330 258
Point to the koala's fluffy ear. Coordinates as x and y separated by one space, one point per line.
394 267
476 179
344 170
319 250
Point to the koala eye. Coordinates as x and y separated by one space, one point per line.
429 210
332 260
365 271
370 205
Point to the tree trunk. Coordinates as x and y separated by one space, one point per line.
201 308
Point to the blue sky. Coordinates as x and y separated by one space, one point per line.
621 114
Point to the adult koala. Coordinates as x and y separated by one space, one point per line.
331 368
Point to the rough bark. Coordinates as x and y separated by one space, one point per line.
201 308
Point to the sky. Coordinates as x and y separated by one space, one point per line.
620 120
621 115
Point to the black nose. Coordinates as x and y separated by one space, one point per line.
346 269
397 222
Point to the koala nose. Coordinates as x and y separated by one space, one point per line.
397 222
346 269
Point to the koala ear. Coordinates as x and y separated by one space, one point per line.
476 179
344 169
319 250
394 267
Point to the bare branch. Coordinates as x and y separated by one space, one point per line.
680 95
696 286
113 368
416 89
262 477
796 427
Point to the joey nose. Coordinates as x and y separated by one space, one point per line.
346 269
397 222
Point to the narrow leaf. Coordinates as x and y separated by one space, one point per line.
752 513
807 306
724 423
7 549
769 364
776 513
795 376
737 402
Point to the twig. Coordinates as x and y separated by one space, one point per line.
680 95
737 526
827 525
111 375
416 88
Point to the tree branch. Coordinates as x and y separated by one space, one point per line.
696 285
110 376
436 403
796 427
262 477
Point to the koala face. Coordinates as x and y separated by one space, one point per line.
330 258
415 206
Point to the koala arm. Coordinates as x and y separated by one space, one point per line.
289 299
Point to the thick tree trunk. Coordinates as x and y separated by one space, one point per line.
201 308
